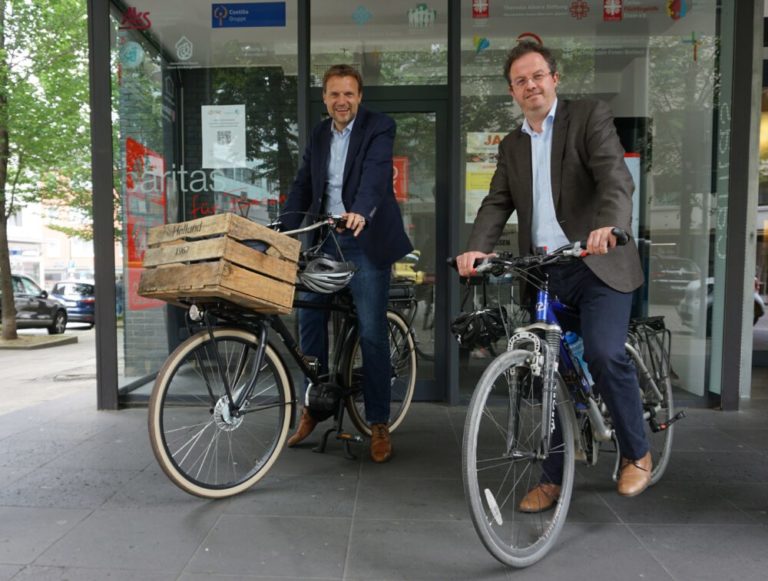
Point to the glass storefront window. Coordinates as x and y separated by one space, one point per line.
657 69
206 122
390 43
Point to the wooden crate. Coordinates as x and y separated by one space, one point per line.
206 260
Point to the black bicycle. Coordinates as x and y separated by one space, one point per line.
224 400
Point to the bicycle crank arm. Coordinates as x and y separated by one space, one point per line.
660 427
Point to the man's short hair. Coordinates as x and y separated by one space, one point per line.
526 47
343 71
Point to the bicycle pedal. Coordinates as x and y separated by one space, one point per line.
349 437
656 427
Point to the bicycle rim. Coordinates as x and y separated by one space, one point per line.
199 445
502 434
402 353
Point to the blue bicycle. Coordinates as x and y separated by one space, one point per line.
539 381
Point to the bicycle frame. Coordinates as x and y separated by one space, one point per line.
259 325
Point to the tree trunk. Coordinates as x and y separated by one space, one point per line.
8 307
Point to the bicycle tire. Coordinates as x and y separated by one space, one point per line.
661 410
494 484
202 450
402 349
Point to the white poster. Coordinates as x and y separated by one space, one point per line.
223 136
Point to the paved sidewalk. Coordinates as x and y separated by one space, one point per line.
82 498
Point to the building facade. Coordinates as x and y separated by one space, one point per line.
205 108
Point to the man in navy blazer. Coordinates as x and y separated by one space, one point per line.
347 170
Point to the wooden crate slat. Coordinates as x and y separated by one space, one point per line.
222 247
220 279
228 224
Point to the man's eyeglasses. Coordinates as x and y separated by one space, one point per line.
521 82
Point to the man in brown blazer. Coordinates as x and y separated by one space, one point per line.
563 172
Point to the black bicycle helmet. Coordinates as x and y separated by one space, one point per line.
480 328
324 274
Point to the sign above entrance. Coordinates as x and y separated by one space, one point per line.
250 15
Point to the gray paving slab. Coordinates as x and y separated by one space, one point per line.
317 496
416 549
302 547
752 499
674 502
8 571
591 552
79 574
386 497
748 466
708 553
25 533
138 540
64 487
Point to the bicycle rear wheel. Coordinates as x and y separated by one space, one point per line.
199 444
656 395
402 353
500 461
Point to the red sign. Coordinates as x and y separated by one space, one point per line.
613 10
144 208
400 177
480 8
134 20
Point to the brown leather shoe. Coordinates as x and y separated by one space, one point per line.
306 424
541 497
381 444
635 475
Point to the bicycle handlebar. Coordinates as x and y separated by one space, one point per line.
332 220
506 261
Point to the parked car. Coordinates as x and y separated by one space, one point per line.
670 276
690 304
79 299
34 308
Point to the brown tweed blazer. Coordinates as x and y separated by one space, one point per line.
591 186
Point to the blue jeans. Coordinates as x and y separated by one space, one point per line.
370 294
603 321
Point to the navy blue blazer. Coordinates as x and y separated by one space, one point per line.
366 190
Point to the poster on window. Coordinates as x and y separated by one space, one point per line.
145 206
223 136
482 149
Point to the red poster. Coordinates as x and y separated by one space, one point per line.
400 177
145 206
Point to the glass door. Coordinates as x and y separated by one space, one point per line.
421 126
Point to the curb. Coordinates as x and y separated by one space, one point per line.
28 342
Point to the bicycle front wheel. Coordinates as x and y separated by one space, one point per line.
501 460
402 355
199 443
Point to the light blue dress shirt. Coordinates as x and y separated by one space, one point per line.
546 229
336 162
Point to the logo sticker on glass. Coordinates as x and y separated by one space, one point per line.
248 15
361 15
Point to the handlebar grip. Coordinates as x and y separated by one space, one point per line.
621 236
451 260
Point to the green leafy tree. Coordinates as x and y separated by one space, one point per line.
44 127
